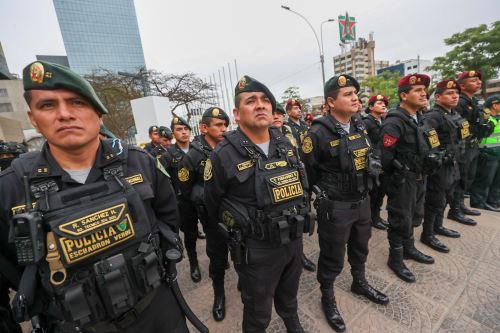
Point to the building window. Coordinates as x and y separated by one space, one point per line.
6 107
3 92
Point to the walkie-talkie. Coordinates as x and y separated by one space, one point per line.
27 233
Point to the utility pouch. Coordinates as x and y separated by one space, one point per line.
82 304
147 268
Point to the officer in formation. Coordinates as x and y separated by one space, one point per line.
187 210
480 127
340 161
165 137
101 216
485 191
213 125
10 151
255 185
376 112
407 154
291 134
298 126
453 132
155 139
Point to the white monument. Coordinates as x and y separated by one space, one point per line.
147 111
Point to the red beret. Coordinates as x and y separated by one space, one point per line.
375 98
469 74
292 102
414 80
309 117
447 84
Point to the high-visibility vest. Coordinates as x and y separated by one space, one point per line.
494 139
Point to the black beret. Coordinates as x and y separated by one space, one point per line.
165 132
494 99
279 108
341 81
179 121
216 112
249 84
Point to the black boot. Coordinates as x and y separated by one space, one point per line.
456 214
440 230
330 310
308 264
293 325
219 307
468 211
428 237
397 265
411 252
361 287
195 269
378 222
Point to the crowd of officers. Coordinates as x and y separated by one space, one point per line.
90 224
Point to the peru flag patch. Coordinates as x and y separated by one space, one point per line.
389 140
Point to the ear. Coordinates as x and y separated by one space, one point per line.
33 121
330 102
236 115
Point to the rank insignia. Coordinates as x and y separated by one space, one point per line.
207 172
37 72
389 140
450 84
472 73
183 175
176 120
413 80
380 98
242 83
215 112
307 145
342 81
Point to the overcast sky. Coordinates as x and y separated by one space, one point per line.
268 43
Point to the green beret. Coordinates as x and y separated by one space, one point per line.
248 84
41 75
279 108
179 121
493 99
341 81
165 132
217 113
106 132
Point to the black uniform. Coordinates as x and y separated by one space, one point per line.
187 210
299 131
193 188
105 239
377 194
262 202
452 130
150 146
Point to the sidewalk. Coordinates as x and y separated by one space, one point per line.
459 293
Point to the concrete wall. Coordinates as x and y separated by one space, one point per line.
147 111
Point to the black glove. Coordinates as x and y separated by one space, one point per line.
433 162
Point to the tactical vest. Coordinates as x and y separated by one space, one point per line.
459 131
197 195
103 258
280 191
352 150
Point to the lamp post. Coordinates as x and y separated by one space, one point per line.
320 45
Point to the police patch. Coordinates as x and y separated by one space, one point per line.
389 140
286 187
244 165
433 138
228 218
464 130
207 172
135 179
334 143
274 165
183 175
307 145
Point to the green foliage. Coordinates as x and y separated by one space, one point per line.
294 93
384 84
475 48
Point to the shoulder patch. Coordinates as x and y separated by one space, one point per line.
207 172
183 175
135 179
334 143
389 140
244 165
307 145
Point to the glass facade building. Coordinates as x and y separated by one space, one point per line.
100 34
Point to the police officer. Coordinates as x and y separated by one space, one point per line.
376 111
101 218
164 142
9 151
480 127
155 139
294 109
278 121
256 185
485 190
406 147
105 133
452 131
187 211
336 152
214 123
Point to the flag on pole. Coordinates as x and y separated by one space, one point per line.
347 28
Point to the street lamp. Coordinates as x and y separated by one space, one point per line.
320 46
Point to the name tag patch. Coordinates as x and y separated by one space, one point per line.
244 165
334 143
286 187
274 165
135 179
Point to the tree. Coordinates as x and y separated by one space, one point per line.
384 84
475 48
294 93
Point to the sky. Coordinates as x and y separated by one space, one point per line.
268 43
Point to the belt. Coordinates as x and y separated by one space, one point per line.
336 204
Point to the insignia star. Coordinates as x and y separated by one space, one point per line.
347 26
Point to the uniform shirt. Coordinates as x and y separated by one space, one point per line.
170 160
150 146
373 126
232 173
299 130
157 151
326 155
151 184
469 109
448 136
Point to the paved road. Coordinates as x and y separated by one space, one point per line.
459 293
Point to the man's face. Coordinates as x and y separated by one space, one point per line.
346 102
155 137
295 112
165 142
471 85
416 97
278 119
216 129
181 133
254 111
378 107
448 98
66 119
495 109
